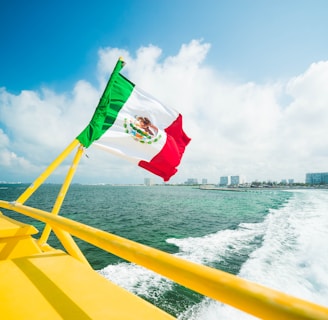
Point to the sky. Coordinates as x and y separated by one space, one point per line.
250 78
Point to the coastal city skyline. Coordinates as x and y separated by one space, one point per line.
310 178
249 79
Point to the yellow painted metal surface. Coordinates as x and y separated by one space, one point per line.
64 237
62 194
252 298
43 283
57 286
15 239
17 247
70 245
12 228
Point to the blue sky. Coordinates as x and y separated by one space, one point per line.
262 59
55 43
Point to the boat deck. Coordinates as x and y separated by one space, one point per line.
54 285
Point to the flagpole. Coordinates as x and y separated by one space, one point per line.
62 193
43 176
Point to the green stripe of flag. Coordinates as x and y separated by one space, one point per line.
116 93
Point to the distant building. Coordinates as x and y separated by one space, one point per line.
225 181
237 180
191 181
285 181
148 182
204 181
232 180
316 178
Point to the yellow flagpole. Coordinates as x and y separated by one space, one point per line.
43 176
62 193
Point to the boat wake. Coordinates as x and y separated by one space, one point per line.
291 259
287 252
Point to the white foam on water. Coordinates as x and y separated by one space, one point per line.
204 250
137 279
214 247
293 257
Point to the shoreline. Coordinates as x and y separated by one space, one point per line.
244 189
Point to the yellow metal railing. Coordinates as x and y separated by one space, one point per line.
250 297
62 193
64 237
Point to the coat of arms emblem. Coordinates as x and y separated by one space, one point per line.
142 129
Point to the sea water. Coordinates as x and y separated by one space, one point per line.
274 237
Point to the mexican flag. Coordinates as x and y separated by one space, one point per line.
131 124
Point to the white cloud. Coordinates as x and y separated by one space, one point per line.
9 160
304 125
236 128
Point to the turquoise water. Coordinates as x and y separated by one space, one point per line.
277 238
